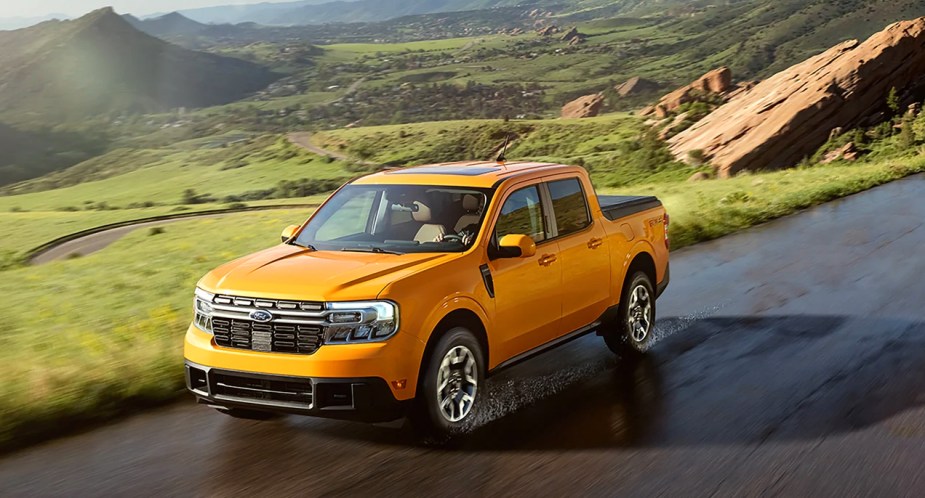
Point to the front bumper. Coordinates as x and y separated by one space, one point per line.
365 399
395 361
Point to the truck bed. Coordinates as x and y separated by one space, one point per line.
615 207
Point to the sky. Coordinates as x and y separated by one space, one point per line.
34 8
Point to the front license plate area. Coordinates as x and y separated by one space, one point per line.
262 340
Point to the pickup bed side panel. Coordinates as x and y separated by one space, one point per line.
644 231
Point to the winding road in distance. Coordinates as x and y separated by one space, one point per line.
791 363
95 241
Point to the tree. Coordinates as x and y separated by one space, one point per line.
906 134
918 127
892 100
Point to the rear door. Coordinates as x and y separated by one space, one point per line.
528 303
583 253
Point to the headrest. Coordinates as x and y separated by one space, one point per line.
422 213
471 202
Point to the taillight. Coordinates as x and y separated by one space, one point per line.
667 243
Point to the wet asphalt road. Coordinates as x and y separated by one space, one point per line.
792 362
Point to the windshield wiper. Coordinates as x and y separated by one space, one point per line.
306 246
377 250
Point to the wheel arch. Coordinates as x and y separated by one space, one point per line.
459 317
642 261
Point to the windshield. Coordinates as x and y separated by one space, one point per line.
397 219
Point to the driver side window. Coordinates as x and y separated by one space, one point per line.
522 213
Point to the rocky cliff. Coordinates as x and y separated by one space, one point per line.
584 107
791 114
717 82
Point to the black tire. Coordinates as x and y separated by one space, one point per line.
631 331
248 414
430 416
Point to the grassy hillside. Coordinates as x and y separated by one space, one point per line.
28 152
616 148
262 168
69 88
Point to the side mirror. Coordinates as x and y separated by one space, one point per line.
289 231
516 246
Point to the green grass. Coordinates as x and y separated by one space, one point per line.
119 315
710 209
118 318
34 228
123 178
613 147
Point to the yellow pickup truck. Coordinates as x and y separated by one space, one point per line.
407 288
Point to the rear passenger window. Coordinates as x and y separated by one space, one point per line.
569 205
522 213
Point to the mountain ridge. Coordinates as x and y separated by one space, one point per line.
100 64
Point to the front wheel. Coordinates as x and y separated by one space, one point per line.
451 386
631 334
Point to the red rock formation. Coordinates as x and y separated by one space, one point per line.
635 86
584 107
717 82
847 152
572 35
790 115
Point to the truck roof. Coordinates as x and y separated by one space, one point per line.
460 174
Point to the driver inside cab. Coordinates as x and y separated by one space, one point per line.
467 226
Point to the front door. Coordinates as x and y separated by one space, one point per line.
528 303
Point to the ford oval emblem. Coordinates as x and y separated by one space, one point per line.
261 316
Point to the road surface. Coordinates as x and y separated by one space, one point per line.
792 363
304 139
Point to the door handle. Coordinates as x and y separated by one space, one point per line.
547 259
595 243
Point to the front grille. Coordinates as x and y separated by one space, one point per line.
296 327
262 389
241 334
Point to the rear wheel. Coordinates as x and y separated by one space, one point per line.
631 332
451 386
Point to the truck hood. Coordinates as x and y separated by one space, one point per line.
295 273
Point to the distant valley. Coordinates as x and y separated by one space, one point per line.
72 90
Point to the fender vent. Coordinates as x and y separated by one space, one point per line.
489 282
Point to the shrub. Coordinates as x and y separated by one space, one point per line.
156 231
236 164
906 134
697 157
191 197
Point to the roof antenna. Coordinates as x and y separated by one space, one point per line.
503 156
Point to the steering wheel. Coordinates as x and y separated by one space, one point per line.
457 238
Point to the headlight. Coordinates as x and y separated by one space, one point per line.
366 321
202 310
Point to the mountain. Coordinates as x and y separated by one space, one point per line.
233 14
22 22
173 24
314 12
100 64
